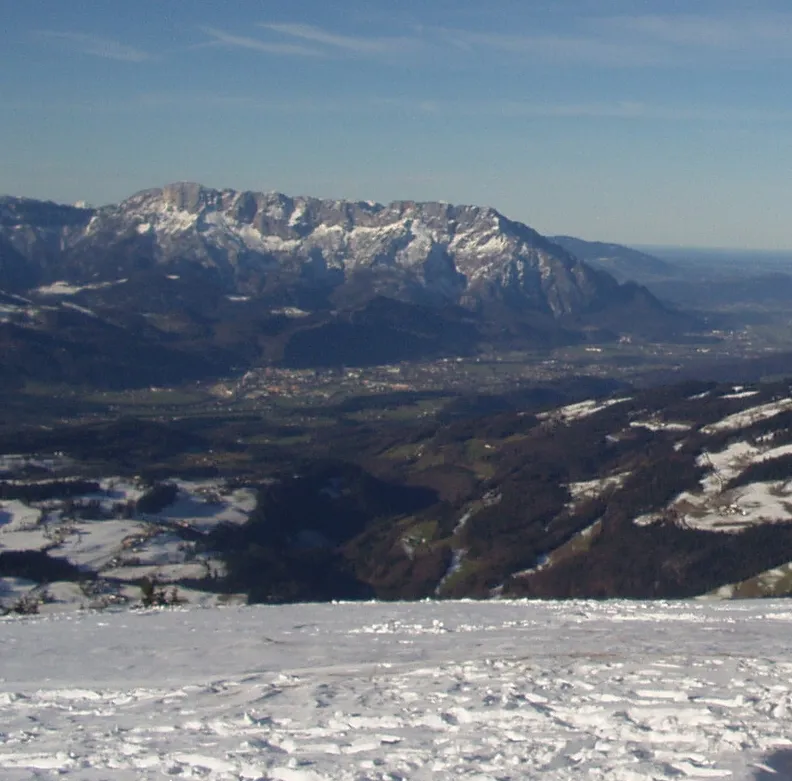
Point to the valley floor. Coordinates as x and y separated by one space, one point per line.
498 690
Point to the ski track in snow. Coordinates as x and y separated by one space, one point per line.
496 690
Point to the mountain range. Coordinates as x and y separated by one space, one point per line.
228 278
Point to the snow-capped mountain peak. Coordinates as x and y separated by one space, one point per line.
433 251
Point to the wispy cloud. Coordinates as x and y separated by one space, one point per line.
641 40
97 46
349 43
306 40
222 38
557 48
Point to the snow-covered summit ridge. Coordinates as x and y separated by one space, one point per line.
450 248
434 252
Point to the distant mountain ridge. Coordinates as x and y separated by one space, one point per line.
623 262
187 252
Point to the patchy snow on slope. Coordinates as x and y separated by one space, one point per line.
618 691
660 425
462 522
246 234
170 220
419 247
591 489
775 452
749 416
457 560
290 311
103 533
297 215
739 508
59 289
204 505
9 311
14 463
66 289
81 309
490 243
32 537
726 464
718 508
17 516
94 545
740 394
581 409
457 554
733 460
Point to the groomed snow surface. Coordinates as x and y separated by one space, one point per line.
500 690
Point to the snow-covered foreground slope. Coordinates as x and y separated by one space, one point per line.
498 690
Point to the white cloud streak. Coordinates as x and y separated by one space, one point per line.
624 41
222 38
97 46
348 43
643 40
557 48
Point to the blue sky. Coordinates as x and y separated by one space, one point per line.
616 120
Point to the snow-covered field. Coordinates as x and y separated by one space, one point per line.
499 690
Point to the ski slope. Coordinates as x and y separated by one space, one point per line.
446 690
